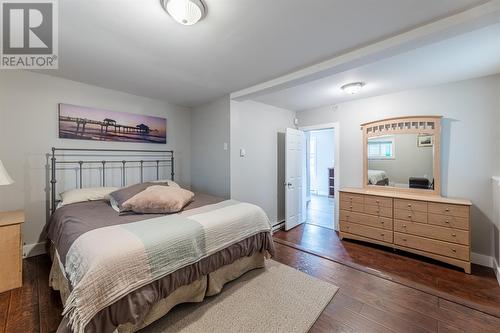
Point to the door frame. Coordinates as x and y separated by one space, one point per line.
336 144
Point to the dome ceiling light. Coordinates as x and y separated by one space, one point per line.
185 12
353 88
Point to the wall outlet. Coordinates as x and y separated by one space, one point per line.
243 153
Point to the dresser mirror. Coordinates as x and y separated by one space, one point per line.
403 154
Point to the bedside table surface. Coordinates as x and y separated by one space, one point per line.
12 217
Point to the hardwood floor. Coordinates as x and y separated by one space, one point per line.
35 307
480 290
364 303
320 211
367 303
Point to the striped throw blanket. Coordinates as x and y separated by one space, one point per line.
105 264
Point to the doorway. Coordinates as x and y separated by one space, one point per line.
320 177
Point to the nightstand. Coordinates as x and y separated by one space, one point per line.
11 260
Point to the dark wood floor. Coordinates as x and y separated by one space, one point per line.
367 303
364 303
480 290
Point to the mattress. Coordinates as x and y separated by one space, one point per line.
69 222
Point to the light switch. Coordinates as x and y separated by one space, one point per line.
225 145
242 152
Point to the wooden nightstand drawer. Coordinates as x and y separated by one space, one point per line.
10 247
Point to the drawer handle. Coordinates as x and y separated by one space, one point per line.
447 209
409 205
404 225
409 216
453 250
404 239
454 235
382 235
447 221
350 207
382 222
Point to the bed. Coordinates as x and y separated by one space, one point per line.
122 272
378 177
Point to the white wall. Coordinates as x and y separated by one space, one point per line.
256 178
325 155
209 159
470 140
29 128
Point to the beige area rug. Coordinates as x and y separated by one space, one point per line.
275 299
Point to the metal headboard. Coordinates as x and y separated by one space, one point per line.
103 157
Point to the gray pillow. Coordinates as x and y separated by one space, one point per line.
118 197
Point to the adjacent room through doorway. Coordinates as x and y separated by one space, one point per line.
320 177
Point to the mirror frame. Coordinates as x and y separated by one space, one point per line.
429 125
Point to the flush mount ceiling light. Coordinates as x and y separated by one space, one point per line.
186 12
353 88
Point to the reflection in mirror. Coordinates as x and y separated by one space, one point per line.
401 160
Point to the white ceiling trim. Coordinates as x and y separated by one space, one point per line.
468 20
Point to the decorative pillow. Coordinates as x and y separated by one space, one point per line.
85 194
117 198
159 200
169 182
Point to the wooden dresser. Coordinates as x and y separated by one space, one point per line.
11 275
430 226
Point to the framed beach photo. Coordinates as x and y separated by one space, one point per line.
85 123
424 140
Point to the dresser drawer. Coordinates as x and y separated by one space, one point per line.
410 205
434 232
433 246
407 215
447 209
378 210
369 220
368 232
351 206
378 201
449 221
351 197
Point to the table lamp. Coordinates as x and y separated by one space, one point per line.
4 176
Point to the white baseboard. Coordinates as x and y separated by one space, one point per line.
277 226
31 250
483 260
497 271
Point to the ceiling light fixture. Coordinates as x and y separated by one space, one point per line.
186 12
353 88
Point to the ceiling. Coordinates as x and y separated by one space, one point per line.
134 46
469 55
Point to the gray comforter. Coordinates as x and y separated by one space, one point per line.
70 222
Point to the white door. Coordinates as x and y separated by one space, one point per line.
294 178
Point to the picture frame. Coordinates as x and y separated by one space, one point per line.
425 140
87 123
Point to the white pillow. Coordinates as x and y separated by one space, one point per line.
86 194
169 182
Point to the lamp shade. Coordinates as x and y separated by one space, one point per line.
4 176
